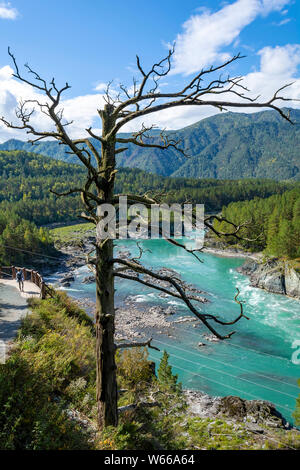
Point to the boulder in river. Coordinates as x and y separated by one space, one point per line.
88 279
255 411
170 310
67 278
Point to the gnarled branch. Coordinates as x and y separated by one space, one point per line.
136 345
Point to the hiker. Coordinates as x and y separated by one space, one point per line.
20 279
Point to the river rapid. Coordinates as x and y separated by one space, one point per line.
256 363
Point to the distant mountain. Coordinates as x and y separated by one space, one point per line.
225 146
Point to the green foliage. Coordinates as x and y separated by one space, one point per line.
21 234
70 233
25 183
29 418
166 379
51 369
134 369
275 222
216 435
225 146
27 178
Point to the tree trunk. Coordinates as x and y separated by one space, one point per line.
105 348
106 384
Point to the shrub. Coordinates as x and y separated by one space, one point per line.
29 417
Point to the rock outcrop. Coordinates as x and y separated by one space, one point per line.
235 409
274 275
292 282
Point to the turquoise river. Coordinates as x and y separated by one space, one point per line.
256 363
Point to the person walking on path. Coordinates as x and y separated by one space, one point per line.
20 279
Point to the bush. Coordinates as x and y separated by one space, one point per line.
51 368
30 418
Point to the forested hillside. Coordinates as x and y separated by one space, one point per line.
26 201
19 238
275 221
227 146
26 180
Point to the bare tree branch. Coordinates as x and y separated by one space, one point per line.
119 273
136 345
137 267
166 140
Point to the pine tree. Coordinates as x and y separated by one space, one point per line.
165 376
296 226
272 232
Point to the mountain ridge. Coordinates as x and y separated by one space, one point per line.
224 146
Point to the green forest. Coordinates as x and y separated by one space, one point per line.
274 223
27 178
224 146
26 201
20 234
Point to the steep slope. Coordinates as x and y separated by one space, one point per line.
228 145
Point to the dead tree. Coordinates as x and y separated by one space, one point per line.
145 97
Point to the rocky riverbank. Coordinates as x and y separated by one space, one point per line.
139 323
257 418
220 248
274 275
253 413
133 320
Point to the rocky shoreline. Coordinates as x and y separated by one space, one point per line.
139 323
252 412
232 253
133 321
256 416
220 248
274 275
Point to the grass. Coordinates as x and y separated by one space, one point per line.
71 232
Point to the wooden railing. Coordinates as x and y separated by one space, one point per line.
7 272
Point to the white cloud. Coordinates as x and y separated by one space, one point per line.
282 22
272 5
278 66
278 61
205 35
7 12
81 109
101 87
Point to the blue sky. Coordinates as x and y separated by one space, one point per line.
91 42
